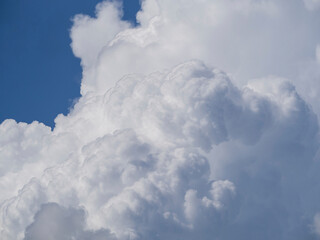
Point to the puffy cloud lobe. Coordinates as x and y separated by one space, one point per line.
19 144
91 35
161 148
150 178
227 34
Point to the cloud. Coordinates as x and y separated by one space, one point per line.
231 35
178 171
57 223
163 146
308 80
312 4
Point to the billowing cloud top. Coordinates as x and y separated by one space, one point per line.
161 144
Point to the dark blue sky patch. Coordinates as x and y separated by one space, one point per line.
39 74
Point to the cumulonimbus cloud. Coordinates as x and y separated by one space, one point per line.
163 146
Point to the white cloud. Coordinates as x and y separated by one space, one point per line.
231 35
152 179
54 222
161 146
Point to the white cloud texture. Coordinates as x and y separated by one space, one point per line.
163 146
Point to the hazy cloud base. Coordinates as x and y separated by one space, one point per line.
164 146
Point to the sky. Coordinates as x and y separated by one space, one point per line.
200 121
39 74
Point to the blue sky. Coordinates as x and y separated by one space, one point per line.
39 74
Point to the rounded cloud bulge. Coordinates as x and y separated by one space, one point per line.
164 145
